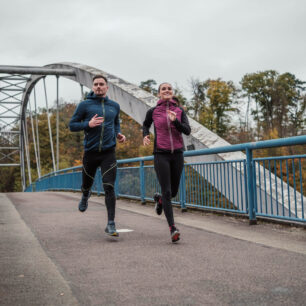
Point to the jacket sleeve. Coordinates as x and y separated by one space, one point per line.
183 125
77 122
147 123
117 122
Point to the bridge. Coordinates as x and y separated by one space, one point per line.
61 257
216 175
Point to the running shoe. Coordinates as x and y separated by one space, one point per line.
158 203
175 234
110 230
84 202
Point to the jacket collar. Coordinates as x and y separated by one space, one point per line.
164 102
92 96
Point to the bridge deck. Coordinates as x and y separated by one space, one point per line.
53 255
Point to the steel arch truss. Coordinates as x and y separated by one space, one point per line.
11 91
14 88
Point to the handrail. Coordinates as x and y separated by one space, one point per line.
289 141
248 170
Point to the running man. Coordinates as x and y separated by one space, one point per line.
98 117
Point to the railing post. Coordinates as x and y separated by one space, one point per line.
142 183
250 186
183 191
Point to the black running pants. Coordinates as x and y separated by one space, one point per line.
168 168
107 161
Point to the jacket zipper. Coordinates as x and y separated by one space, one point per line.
169 128
102 130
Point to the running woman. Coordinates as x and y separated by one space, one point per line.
98 117
169 121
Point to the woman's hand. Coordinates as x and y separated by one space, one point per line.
95 121
171 115
146 140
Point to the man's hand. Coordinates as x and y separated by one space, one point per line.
121 138
95 121
146 140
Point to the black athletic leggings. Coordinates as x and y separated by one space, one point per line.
107 161
168 167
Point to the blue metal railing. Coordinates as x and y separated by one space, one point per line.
257 187
284 176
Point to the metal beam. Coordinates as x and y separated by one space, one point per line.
11 89
9 132
9 117
16 102
8 78
36 70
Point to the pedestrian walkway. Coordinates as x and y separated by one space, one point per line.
51 254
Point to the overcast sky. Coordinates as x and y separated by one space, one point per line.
166 40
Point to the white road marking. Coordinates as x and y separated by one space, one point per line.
124 230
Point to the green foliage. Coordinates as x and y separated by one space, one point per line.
149 86
182 99
198 99
280 102
10 179
212 104
70 144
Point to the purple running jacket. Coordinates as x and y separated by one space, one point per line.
168 134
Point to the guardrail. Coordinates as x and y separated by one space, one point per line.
270 187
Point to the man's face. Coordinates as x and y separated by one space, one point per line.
99 87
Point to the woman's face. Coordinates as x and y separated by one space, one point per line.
165 91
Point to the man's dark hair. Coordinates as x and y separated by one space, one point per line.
100 76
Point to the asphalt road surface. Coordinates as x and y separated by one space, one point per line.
51 254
